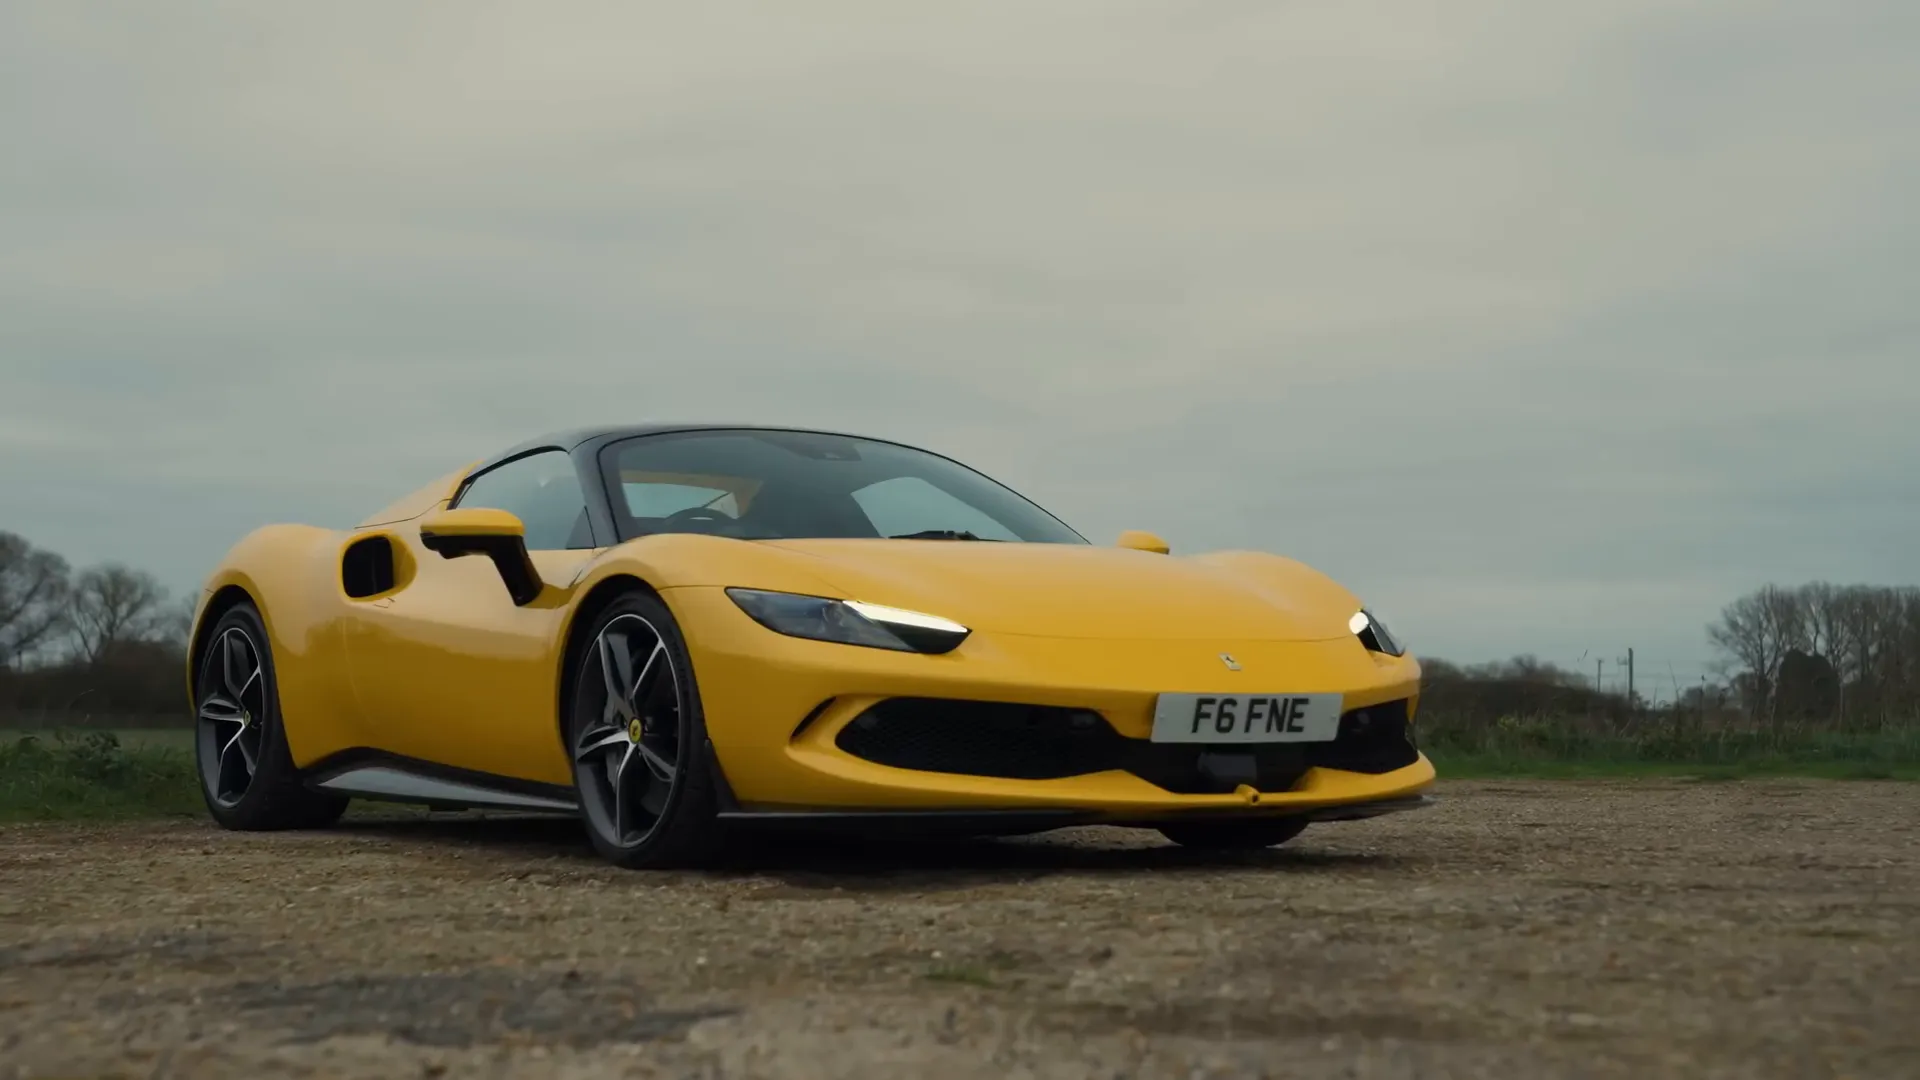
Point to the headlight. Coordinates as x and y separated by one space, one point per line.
1374 634
850 622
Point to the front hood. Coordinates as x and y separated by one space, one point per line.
1081 591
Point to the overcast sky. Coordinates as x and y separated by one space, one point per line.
1547 327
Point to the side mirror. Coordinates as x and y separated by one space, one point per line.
494 533
1143 541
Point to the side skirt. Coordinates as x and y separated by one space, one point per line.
376 774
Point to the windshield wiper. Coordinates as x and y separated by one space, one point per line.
938 534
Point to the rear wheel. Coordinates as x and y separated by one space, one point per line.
638 737
247 775
1243 835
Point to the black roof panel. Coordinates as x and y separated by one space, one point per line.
576 437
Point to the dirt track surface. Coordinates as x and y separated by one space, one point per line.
1516 930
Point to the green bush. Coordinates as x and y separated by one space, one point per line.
92 775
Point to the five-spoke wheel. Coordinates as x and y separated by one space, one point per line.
634 733
232 701
246 772
628 760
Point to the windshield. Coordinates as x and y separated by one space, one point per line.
771 485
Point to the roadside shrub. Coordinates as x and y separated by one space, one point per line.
92 775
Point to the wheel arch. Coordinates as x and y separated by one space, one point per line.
222 600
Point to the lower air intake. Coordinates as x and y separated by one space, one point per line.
1039 742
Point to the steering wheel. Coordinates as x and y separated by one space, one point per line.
698 513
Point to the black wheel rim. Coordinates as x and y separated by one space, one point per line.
627 714
232 716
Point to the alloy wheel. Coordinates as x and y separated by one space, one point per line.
232 716
627 753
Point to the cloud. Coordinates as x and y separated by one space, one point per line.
1492 299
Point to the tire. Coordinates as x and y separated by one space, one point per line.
1243 835
247 775
640 767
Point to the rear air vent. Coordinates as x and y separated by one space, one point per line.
367 568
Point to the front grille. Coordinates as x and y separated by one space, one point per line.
1038 742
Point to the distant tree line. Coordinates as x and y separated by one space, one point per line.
1814 656
1847 655
103 640
109 641
1524 686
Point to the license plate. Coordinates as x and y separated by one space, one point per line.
1246 718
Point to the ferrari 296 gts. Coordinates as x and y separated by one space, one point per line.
677 632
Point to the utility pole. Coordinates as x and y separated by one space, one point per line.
1598 664
1629 662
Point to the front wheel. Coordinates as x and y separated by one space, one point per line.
637 734
1243 835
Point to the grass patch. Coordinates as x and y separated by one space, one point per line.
1477 766
980 973
965 974
1547 750
83 776
173 738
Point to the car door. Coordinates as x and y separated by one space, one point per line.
448 670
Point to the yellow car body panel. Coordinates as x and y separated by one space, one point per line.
443 667
414 504
756 692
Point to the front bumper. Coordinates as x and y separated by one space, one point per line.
777 706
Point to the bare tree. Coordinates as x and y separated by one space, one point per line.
1898 670
1756 631
174 621
1819 607
114 605
33 586
1866 639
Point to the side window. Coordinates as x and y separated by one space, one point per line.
907 504
543 491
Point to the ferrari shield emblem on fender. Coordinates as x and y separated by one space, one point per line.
1232 664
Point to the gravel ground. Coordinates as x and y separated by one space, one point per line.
1628 929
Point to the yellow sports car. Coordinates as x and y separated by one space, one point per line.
676 631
